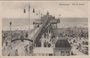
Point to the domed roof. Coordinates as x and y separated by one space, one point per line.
62 43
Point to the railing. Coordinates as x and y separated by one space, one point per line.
41 30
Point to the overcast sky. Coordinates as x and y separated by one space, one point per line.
15 9
57 9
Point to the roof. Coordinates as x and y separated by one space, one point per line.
62 43
41 50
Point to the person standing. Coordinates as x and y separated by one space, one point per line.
16 53
26 50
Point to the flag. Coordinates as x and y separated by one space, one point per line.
10 23
33 10
24 10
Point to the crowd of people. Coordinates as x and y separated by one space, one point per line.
8 47
68 33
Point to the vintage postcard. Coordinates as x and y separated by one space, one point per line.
44 28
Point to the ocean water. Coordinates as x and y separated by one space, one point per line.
23 23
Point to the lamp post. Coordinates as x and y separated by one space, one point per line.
29 17
10 31
28 11
10 35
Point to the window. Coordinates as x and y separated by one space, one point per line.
62 53
50 54
68 53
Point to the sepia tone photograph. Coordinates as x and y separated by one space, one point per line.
45 29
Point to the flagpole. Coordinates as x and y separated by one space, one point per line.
29 21
29 16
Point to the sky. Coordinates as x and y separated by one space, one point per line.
14 11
